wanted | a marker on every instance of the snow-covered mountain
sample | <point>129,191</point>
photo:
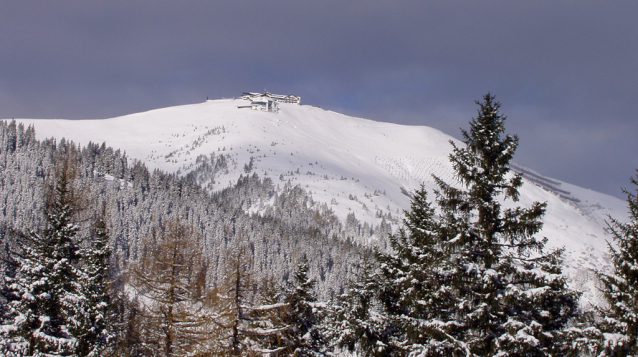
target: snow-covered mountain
<point>353,165</point>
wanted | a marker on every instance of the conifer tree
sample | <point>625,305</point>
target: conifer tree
<point>302,314</point>
<point>470,277</point>
<point>355,320</point>
<point>414,287</point>
<point>95,255</point>
<point>513,297</point>
<point>46,297</point>
<point>621,287</point>
<point>12,340</point>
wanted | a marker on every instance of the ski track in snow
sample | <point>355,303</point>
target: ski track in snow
<point>353,165</point>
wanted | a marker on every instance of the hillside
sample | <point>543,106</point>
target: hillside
<point>354,166</point>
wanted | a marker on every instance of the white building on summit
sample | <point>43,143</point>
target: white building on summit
<point>267,101</point>
<point>280,98</point>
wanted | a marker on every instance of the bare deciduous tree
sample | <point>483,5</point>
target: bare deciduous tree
<point>170,280</point>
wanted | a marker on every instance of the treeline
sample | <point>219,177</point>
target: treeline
<point>117,261</point>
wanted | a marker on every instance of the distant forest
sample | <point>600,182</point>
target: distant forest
<point>138,201</point>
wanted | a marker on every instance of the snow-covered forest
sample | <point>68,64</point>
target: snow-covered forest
<point>138,206</point>
<point>104,257</point>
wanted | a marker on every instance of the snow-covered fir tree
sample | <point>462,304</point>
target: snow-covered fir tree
<point>266,323</point>
<point>95,259</point>
<point>513,298</point>
<point>46,299</point>
<point>468,277</point>
<point>303,315</point>
<point>621,286</point>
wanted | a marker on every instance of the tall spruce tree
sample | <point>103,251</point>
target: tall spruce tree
<point>302,315</point>
<point>469,277</point>
<point>46,297</point>
<point>95,256</point>
<point>621,287</point>
<point>513,297</point>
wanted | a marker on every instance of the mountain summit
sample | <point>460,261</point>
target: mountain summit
<point>356,167</point>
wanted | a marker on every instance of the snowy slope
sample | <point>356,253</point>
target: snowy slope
<point>351,164</point>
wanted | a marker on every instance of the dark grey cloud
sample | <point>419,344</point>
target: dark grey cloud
<point>564,71</point>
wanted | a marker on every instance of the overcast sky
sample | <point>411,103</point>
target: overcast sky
<point>565,71</point>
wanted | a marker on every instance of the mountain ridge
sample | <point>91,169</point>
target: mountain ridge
<point>354,166</point>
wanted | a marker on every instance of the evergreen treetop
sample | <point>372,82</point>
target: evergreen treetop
<point>514,297</point>
<point>468,277</point>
